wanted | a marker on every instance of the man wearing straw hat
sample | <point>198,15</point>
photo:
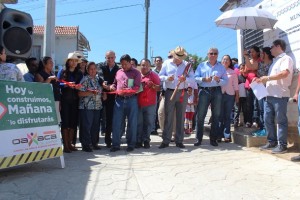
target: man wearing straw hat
<point>177,74</point>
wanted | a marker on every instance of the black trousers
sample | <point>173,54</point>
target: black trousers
<point>109,110</point>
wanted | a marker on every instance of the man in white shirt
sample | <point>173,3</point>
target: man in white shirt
<point>175,73</point>
<point>277,83</point>
<point>296,98</point>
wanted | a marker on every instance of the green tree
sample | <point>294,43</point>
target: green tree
<point>197,60</point>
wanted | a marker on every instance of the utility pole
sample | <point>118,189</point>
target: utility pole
<point>49,30</point>
<point>147,6</point>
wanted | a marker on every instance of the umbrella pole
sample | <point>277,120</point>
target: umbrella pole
<point>242,45</point>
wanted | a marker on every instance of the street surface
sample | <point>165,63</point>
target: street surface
<point>225,172</point>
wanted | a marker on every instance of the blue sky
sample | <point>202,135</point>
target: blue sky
<point>172,23</point>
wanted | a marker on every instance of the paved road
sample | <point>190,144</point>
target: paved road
<point>226,172</point>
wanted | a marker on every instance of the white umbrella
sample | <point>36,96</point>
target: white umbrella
<point>246,18</point>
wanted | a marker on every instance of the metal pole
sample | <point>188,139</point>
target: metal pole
<point>147,5</point>
<point>49,30</point>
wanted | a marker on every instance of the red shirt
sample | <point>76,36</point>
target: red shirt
<point>148,96</point>
<point>251,74</point>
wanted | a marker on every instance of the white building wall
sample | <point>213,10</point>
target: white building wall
<point>287,28</point>
<point>63,46</point>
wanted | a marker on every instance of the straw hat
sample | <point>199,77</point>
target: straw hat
<point>76,55</point>
<point>179,53</point>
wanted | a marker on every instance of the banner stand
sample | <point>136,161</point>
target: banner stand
<point>29,128</point>
<point>62,161</point>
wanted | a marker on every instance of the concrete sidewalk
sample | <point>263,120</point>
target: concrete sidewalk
<point>228,171</point>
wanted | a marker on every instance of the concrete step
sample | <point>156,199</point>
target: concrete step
<point>242,136</point>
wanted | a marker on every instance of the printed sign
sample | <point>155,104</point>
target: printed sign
<point>28,122</point>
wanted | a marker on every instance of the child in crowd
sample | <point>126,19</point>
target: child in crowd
<point>189,111</point>
<point>238,121</point>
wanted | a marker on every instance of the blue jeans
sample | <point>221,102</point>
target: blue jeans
<point>146,120</point>
<point>276,108</point>
<point>261,113</point>
<point>125,107</point>
<point>214,98</point>
<point>227,105</point>
<point>89,127</point>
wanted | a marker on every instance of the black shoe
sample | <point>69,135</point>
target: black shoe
<point>96,147</point>
<point>114,149</point>
<point>108,145</point>
<point>129,149</point>
<point>227,140</point>
<point>235,124</point>
<point>197,143</point>
<point>146,145</point>
<point>154,133</point>
<point>213,143</point>
<point>163,145</point>
<point>219,140</point>
<point>180,145</point>
<point>87,149</point>
<point>296,158</point>
<point>268,146</point>
<point>279,149</point>
<point>138,145</point>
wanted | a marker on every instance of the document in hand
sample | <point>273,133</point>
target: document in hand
<point>259,90</point>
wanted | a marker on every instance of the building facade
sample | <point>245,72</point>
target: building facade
<point>67,39</point>
<point>287,28</point>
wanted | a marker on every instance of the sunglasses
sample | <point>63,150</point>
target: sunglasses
<point>213,54</point>
<point>170,57</point>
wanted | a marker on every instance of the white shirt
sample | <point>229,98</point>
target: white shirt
<point>190,108</point>
<point>280,88</point>
<point>169,68</point>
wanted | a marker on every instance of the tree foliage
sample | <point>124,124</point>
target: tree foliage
<point>196,59</point>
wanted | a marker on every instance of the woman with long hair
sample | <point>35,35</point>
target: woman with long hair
<point>267,60</point>
<point>230,94</point>
<point>252,62</point>
<point>71,76</point>
<point>46,74</point>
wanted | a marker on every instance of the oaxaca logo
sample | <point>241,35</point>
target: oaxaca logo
<point>34,138</point>
<point>3,110</point>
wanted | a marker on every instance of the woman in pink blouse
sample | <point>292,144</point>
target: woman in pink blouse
<point>230,94</point>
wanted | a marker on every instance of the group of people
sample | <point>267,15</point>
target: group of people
<point>137,102</point>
